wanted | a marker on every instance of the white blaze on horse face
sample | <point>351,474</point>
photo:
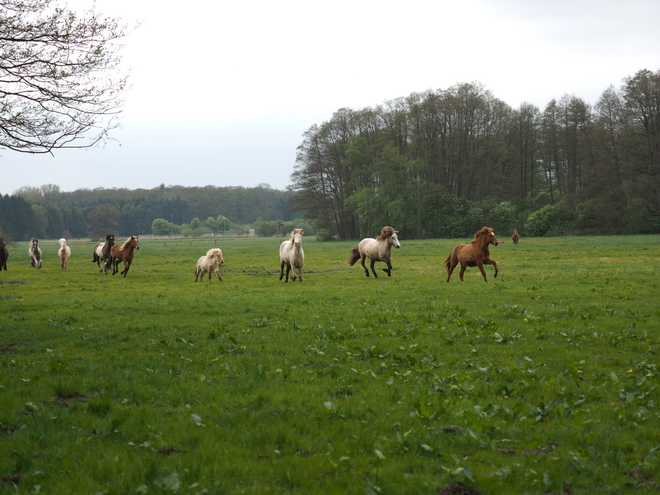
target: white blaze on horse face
<point>395,241</point>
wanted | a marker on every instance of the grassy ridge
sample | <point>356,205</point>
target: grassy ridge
<point>543,380</point>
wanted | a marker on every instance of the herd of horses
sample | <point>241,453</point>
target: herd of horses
<point>109,255</point>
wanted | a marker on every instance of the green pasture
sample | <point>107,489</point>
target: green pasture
<point>542,381</point>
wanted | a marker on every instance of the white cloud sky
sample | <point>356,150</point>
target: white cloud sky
<point>223,91</point>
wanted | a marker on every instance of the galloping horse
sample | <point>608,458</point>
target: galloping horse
<point>515,237</point>
<point>64,253</point>
<point>35,254</point>
<point>123,253</point>
<point>102,252</point>
<point>209,264</point>
<point>4,254</point>
<point>292,255</point>
<point>474,254</point>
<point>378,249</point>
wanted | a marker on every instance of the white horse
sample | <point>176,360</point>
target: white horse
<point>378,249</point>
<point>64,253</point>
<point>209,264</point>
<point>35,254</point>
<point>292,255</point>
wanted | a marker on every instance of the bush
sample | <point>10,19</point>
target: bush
<point>324,235</point>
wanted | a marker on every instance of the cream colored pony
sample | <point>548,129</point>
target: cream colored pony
<point>378,249</point>
<point>292,256</point>
<point>64,253</point>
<point>209,264</point>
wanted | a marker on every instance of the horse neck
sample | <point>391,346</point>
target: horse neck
<point>482,245</point>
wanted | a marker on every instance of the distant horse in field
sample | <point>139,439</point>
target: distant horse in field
<point>515,237</point>
<point>474,254</point>
<point>378,249</point>
<point>209,264</point>
<point>292,256</point>
<point>4,254</point>
<point>35,253</point>
<point>123,253</point>
<point>64,253</point>
<point>102,252</point>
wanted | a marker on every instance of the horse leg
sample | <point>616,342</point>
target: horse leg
<point>491,262</point>
<point>460,274</point>
<point>197,270</point>
<point>364,266</point>
<point>483,272</point>
<point>288,269</point>
<point>281,269</point>
<point>450,269</point>
<point>217,272</point>
<point>389,268</point>
<point>127,265</point>
<point>373,262</point>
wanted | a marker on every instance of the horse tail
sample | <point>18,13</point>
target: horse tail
<point>447,262</point>
<point>355,255</point>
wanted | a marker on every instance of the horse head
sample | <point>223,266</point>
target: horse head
<point>296,237</point>
<point>62,241</point>
<point>389,234</point>
<point>136,244</point>
<point>489,235</point>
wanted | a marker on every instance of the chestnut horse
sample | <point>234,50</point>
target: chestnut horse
<point>123,253</point>
<point>474,254</point>
<point>378,249</point>
<point>4,254</point>
<point>515,237</point>
<point>35,253</point>
<point>292,256</point>
<point>102,252</point>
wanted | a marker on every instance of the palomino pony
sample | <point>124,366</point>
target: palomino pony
<point>64,253</point>
<point>35,254</point>
<point>209,264</point>
<point>378,249</point>
<point>474,254</point>
<point>123,253</point>
<point>102,252</point>
<point>292,255</point>
<point>4,254</point>
<point>515,237</point>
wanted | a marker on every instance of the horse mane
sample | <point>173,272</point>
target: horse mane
<point>293,233</point>
<point>125,245</point>
<point>386,232</point>
<point>481,234</point>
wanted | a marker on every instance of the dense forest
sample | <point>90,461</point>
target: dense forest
<point>444,163</point>
<point>46,212</point>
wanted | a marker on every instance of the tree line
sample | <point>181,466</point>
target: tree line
<point>46,212</point>
<point>443,163</point>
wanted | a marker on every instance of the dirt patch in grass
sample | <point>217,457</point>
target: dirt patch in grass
<point>14,479</point>
<point>8,348</point>
<point>5,431</point>
<point>457,488</point>
<point>64,400</point>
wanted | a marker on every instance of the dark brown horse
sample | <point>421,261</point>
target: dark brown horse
<point>515,237</point>
<point>102,252</point>
<point>123,253</point>
<point>4,254</point>
<point>474,254</point>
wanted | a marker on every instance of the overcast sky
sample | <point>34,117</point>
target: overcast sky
<point>223,91</point>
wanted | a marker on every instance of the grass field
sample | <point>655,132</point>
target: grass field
<point>543,380</point>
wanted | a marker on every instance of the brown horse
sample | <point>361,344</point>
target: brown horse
<point>515,237</point>
<point>123,253</point>
<point>35,253</point>
<point>378,249</point>
<point>4,254</point>
<point>474,254</point>
<point>102,252</point>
